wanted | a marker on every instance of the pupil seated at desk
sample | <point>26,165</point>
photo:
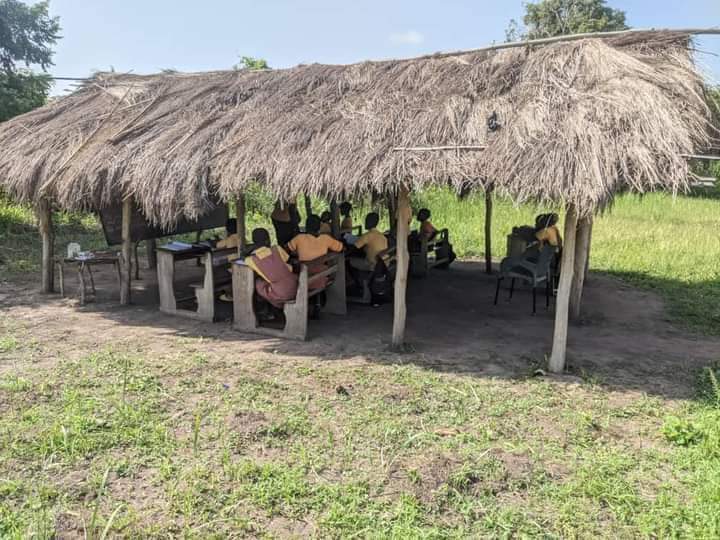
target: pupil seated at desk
<point>311,245</point>
<point>231,239</point>
<point>371,244</point>
<point>546,230</point>
<point>325,223</point>
<point>426,227</point>
<point>275,282</point>
<point>286,221</point>
<point>346,226</point>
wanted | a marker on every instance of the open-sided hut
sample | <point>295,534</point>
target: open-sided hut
<point>569,123</point>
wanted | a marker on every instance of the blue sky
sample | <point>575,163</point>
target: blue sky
<point>150,35</point>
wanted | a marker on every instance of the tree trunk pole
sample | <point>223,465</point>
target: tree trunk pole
<point>401,274</point>
<point>582,250</point>
<point>335,223</point>
<point>126,253</point>
<point>589,243</point>
<point>45,225</point>
<point>488,229</point>
<point>392,217</point>
<point>240,219</point>
<point>151,252</point>
<point>308,206</point>
<point>557,357</point>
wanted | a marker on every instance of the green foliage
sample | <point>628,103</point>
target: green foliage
<point>27,34</point>
<point>549,18</point>
<point>681,431</point>
<point>251,63</point>
<point>22,91</point>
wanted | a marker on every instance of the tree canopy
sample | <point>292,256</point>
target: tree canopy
<point>549,18</point>
<point>27,34</point>
<point>252,63</point>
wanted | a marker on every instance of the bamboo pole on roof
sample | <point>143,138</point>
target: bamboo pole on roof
<point>401,273</point>
<point>45,226</point>
<point>126,253</point>
<point>562,303</point>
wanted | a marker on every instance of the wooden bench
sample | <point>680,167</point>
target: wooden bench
<point>216,275</point>
<point>422,261</point>
<point>296,311</point>
<point>388,259</point>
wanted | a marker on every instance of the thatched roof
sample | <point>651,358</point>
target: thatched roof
<point>578,121</point>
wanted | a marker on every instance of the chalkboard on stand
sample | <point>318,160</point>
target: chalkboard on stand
<point>111,219</point>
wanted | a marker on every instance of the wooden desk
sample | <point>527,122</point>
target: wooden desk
<point>204,293</point>
<point>86,263</point>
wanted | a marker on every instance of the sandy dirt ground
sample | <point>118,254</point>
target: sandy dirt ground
<point>624,339</point>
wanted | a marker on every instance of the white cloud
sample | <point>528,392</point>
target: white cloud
<point>411,37</point>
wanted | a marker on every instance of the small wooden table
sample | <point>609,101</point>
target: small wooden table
<point>86,263</point>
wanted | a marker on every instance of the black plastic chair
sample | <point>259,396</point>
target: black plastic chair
<point>530,267</point>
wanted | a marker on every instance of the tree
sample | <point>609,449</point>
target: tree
<point>549,18</point>
<point>27,34</point>
<point>252,64</point>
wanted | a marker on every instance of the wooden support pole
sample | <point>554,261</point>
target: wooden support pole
<point>401,275</point>
<point>582,251</point>
<point>240,218</point>
<point>308,206</point>
<point>151,253</point>
<point>45,226</point>
<point>335,223</point>
<point>557,357</point>
<point>488,229</point>
<point>392,217</point>
<point>126,254</point>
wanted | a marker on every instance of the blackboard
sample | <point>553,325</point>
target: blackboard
<point>140,229</point>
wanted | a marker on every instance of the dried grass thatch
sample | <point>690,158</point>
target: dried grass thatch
<point>579,121</point>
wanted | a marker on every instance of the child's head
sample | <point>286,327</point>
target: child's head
<point>326,217</point>
<point>312,225</point>
<point>423,214</point>
<point>345,208</point>
<point>372,220</point>
<point>231,226</point>
<point>261,237</point>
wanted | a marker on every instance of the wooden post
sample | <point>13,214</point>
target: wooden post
<point>582,250</point>
<point>126,254</point>
<point>308,206</point>
<point>587,255</point>
<point>401,275</point>
<point>240,218</point>
<point>150,249</point>
<point>488,229</point>
<point>557,357</point>
<point>45,226</point>
<point>392,218</point>
<point>335,224</point>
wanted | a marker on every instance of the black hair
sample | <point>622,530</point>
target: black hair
<point>345,208</point>
<point>261,237</point>
<point>312,226</point>
<point>423,214</point>
<point>543,221</point>
<point>326,217</point>
<point>372,220</point>
<point>231,226</point>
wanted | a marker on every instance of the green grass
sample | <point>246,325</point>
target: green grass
<point>146,445</point>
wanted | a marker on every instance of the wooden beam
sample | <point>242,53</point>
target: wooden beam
<point>392,217</point>
<point>45,226</point>
<point>488,229</point>
<point>698,156</point>
<point>126,253</point>
<point>335,223</point>
<point>240,218</point>
<point>401,273</point>
<point>151,253</point>
<point>562,303</point>
<point>582,250</point>
<point>308,206</point>
<point>437,148</point>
